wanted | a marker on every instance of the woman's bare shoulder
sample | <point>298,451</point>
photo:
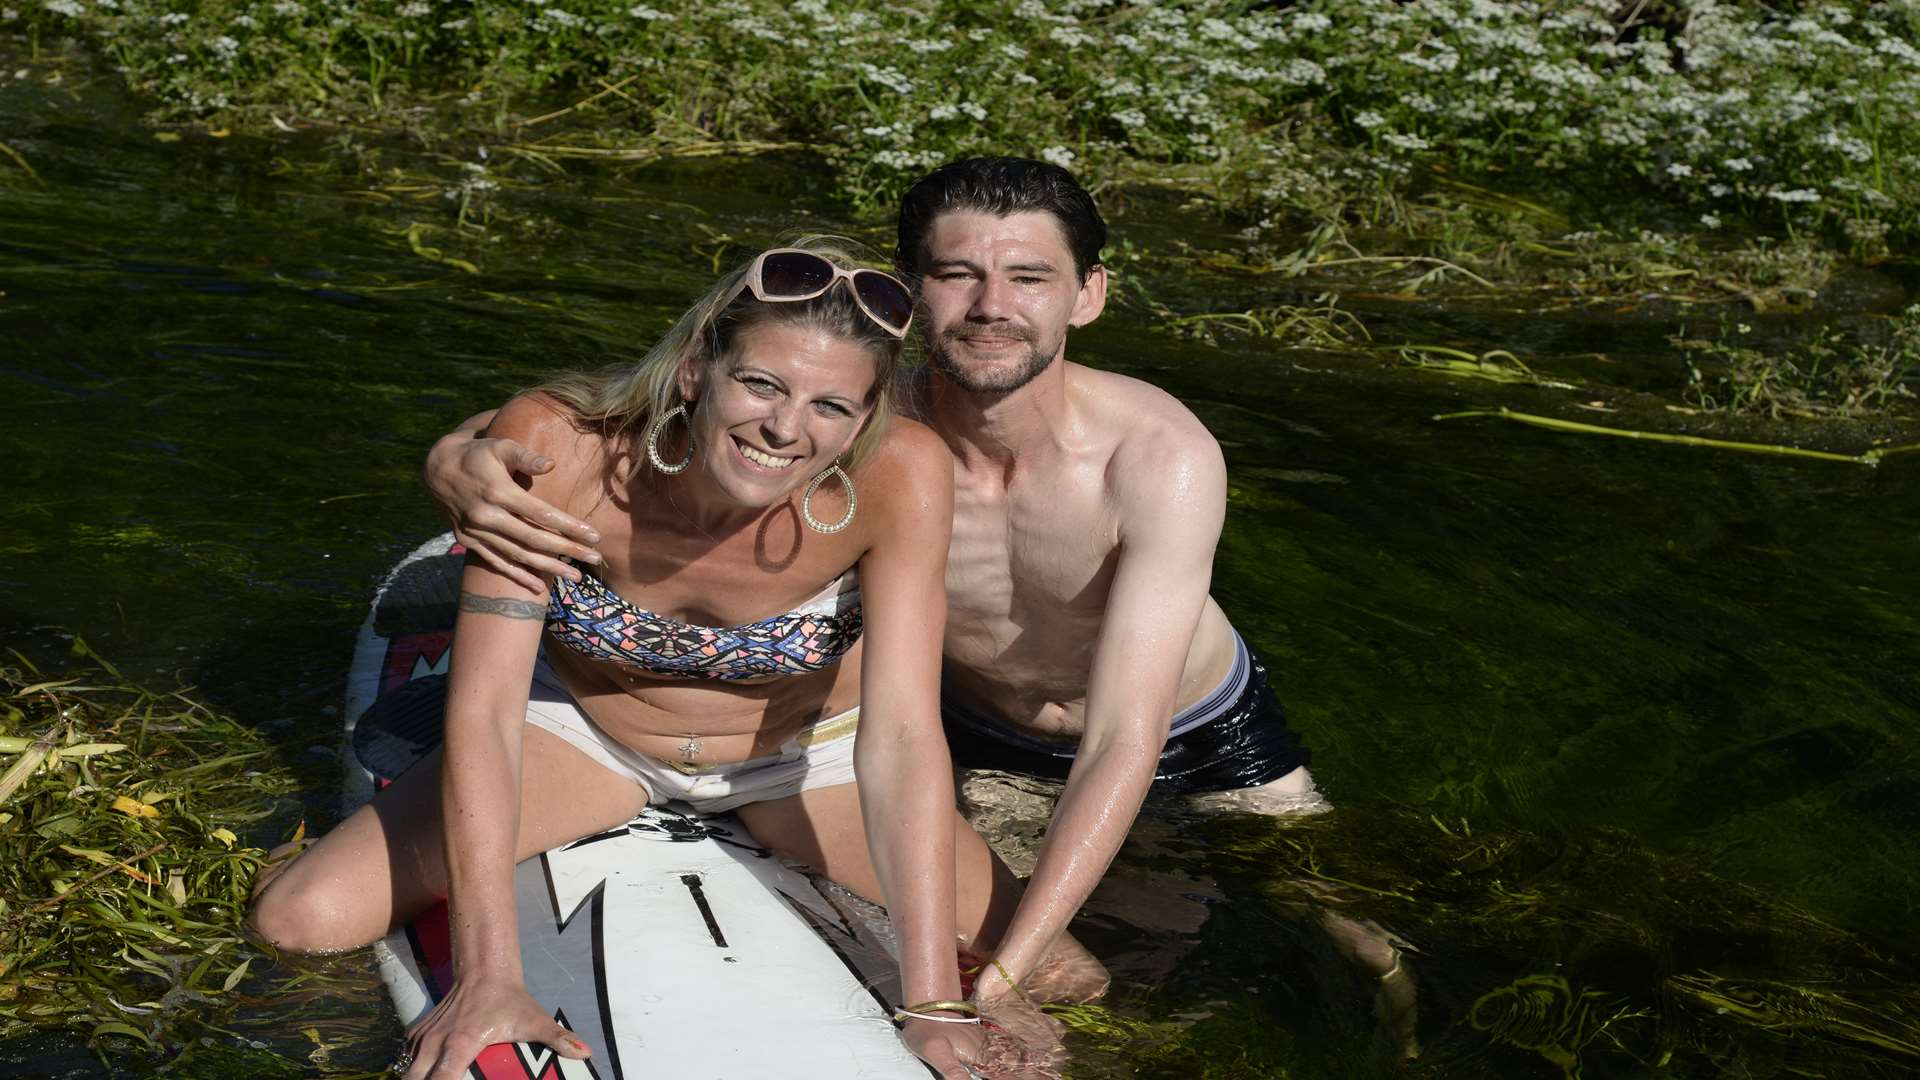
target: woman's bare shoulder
<point>545,425</point>
<point>533,414</point>
<point>910,449</point>
<point>909,478</point>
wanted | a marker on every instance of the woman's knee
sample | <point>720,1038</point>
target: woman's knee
<point>305,916</point>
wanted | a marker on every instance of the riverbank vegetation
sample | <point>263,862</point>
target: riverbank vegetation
<point>123,869</point>
<point>1478,132</point>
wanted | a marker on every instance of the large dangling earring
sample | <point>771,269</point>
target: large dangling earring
<point>653,440</point>
<point>806,501</point>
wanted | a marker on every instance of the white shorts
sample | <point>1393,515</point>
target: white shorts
<point>819,755</point>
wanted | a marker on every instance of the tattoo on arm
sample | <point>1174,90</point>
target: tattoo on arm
<point>500,605</point>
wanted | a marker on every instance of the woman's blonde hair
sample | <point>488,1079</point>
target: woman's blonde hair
<point>621,399</point>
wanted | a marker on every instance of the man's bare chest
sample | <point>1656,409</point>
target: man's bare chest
<point>1019,556</point>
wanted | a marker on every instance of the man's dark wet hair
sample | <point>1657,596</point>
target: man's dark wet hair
<point>1001,186</point>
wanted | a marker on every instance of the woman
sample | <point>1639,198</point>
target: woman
<point>757,511</point>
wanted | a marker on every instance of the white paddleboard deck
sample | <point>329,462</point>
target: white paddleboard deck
<point>673,946</point>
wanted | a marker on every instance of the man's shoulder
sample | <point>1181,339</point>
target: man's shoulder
<point>1154,438</point>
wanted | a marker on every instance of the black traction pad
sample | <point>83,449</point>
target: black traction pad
<point>400,728</point>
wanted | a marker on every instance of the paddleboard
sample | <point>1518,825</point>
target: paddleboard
<point>674,946</point>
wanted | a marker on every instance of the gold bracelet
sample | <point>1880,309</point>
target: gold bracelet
<point>968,1013</point>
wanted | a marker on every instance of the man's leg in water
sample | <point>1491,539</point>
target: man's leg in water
<point>1366,943</point>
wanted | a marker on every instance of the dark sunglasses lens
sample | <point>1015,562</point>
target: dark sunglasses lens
<point>884,297</point>
<point>794,273</point>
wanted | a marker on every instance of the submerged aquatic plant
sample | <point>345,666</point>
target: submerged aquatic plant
<point>123,876</point>
<point>1587,948</point>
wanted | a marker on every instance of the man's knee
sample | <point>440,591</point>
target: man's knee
<point>1292,795</point>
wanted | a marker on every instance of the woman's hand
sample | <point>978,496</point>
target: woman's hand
<point>474,1016</point>
<point>520,536</point>
<point>948,1048</point>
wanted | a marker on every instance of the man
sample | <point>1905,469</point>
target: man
<point>1081,642</point>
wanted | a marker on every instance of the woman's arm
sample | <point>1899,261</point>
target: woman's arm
<point>496,636</point>
<point>905,775</point>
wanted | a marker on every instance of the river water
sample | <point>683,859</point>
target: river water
<point>1622,735</point>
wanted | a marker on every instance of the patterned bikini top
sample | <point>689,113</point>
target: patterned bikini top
<point>596,622</point>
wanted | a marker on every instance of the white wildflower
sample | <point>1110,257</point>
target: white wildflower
<point>973,109</point>
<point>1738,164</point>
<point>1131,118</point>
<point>415,10</point>
<point>1710,221</point>
<point>1679,169</point>
<point>225,48</point>
<point>1013,52</point>
<point>1407,142</point>
<point>647,14</point>
<point>72,9</point>
<point>942,112</point>
<point>1058,155</point>
<point>1369,119</point>
<point>1797,195</point>
<point>173,18</point>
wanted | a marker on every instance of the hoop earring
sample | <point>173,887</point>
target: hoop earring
<point>806,501</point>
<point>653,441</point>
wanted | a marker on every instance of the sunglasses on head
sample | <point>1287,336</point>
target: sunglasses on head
<point>785,275</point>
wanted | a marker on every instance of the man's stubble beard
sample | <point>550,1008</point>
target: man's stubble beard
<point>1036,361</point>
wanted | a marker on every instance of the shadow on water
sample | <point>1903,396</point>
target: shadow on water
<point>1622,735</point>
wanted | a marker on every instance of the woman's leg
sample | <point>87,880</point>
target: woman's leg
<point>384,864</point>
<point>823,828</point>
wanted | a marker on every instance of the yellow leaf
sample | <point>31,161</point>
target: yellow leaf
<point>152,797</point>
<point>103,859</point>
<point>133,807</point>
<point>225,836</point>
<point>177,889</point>
<point>166,136</point>
<point>89,854</point>
<point>234,976</point>
<point>219,133</point>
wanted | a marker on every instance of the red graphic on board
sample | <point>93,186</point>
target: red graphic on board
<point>409,654</point>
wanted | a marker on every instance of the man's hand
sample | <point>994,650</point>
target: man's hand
<point>516,534</point>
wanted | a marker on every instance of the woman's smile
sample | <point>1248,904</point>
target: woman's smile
<point>762,458</point>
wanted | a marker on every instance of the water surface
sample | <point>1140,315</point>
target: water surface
<point>1614,727</point>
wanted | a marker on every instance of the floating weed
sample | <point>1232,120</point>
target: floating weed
<point>1495,365</point>
<point>1322,325</point>
<point>20,161</point>
<point>1827,376</point>
<point>1872,456</point>
<point>122,876</point>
